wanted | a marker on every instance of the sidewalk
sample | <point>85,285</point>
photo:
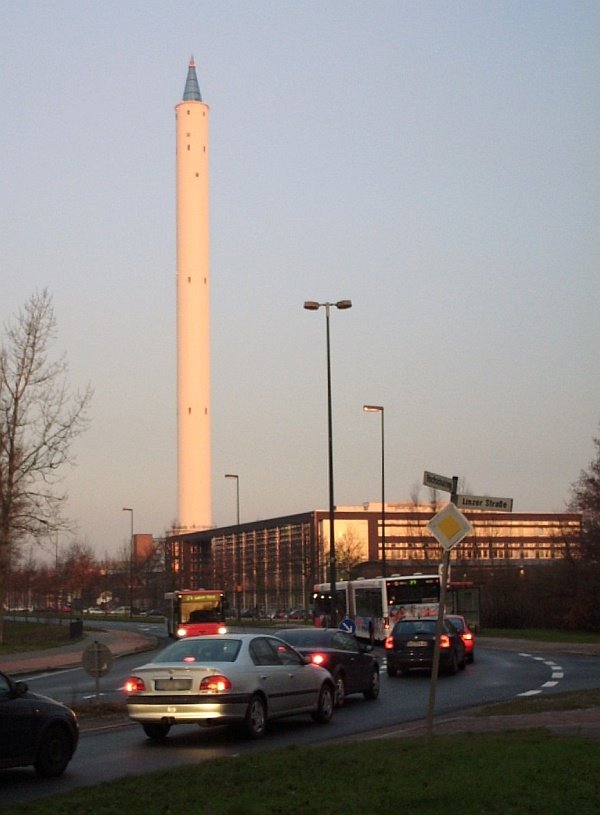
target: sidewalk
<point>119,641</point>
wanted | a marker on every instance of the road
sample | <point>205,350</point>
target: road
<point>104,755</point>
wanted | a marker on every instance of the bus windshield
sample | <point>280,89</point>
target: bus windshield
<point>195,613</point>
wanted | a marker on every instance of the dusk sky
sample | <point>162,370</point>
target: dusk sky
<point>434,162</point>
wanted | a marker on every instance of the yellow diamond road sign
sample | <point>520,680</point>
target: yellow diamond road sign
<point>449,527</point>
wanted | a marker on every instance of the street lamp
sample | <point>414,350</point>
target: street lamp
<point>379,409</point>
<point>130,510</point>
<point>311,305</point>
<point>239,544</point>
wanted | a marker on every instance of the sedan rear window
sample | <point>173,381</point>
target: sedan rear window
<point>201,651</point>
<point>415,627</point>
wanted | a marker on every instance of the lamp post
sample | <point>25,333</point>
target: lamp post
<point>239,545</point>
<point>379,409</point>
<point>311,305</point>
<point>130,510</point>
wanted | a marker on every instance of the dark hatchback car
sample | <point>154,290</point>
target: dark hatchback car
<point>411,646</point>
<point>35,730</point>
<point>351,664</point>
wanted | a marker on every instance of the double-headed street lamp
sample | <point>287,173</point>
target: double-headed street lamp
<point>379,409</point>
<point>311,305</point>
<point>238,586</point>
<point>130,510</point>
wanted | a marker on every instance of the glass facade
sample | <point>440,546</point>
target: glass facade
<point>271,565</point>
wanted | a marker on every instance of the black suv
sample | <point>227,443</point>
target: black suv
<point>35,730</point>
<point>411,645</point>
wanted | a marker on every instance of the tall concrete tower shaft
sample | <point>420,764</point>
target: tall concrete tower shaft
<point>193,310</point>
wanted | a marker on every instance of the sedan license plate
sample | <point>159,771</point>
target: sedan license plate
<point>172,684</point>
<point>418,644</point>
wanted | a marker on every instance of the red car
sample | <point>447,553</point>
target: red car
<point>467,636</point>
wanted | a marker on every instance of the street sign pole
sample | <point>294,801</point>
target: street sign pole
<point>436,646</point>
<point>449,527</point>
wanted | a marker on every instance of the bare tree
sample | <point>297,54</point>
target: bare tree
<point>348,550</point>
<point>585,498</point>
<point>39,418</point>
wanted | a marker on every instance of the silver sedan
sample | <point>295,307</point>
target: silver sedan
<point>234,678</point>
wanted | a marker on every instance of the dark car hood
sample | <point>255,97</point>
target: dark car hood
<point>47,702</point>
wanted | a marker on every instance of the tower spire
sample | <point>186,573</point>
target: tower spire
<point>191,92</point>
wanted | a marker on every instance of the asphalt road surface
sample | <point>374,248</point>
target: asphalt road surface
<point>111,753</point>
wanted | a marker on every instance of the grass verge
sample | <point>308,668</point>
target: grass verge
<point>571,700</point>
<point>21,636</point>
<point>509,774</point>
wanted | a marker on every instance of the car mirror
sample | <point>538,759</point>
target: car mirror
<point>21,689</point>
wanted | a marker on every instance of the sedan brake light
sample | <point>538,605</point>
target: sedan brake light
<point>134,685</point>
<point>216,683</point>
<point>467,636</point>
<point>318,659</point>
<point>389,642</point>
<point>444,641</point>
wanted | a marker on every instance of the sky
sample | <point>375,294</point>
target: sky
<point>434,162</point>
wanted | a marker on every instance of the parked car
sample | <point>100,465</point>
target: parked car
<point>411,645</point>
<point>35,730</point>
<point>225,679</point>
<point>468,637</point>
<point>351,663</point>
<point>298,614</point>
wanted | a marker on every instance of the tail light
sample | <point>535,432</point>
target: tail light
<point>318,659</point>
<point>467,637</point>
<point>222,629</point>
<point>134,685</point>
<point>215,684</point>
<point>389,642</point>
<point>444,641</point>
<point>181,632</point>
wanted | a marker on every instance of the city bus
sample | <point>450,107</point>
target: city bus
<point>376,603</point>
<point>379,602</point>
<point>194,612</point>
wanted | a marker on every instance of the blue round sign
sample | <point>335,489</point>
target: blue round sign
<point>348,625</point>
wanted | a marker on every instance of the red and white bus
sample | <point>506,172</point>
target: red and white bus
<point>195,612</point>
<point>376,603</point>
